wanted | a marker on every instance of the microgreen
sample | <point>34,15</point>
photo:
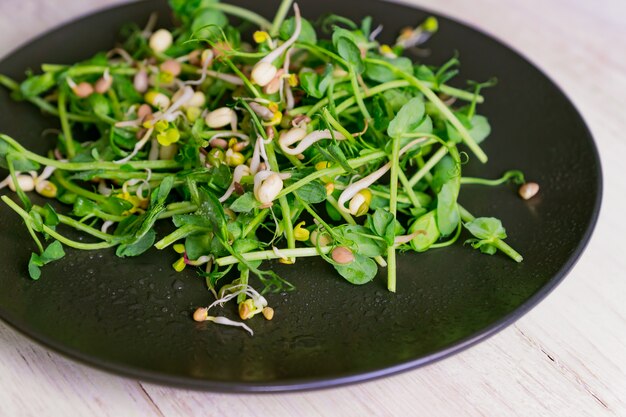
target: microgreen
<point>309,139</point>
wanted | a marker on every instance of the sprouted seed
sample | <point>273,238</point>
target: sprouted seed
<point>291,143</point>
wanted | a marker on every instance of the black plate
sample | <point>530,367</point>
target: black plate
<point>132,316</point>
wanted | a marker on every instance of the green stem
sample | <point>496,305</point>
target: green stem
<point>281,13</point>
<point>332,171</point>
<point>243,280</point>
<point>517,176</point>
<point>65,125</point>
<point>270,254</point>
<point>68,242</point>
<point>178,234</point>
<point>241,75</point>
<point>441,106</point>
<point>88,166</point>
<point>501,245</point>
<point>356,89</point>
<point>284,204</point>
<point>336,125</point>
<point>393,206</point>
<point>68,221</point>
<point>256,221</point>
<point>240,12</point>
<point>73,188</point>
<point>408,189</point>
<point>432,161</point>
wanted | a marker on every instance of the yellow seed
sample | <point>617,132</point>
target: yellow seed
<point>300,233</point>
<point>193,113</point>
<point>46,189</point>
<point>276,119</point>
<point>268,313</point>
<point>234,159</point>
<point>246,309</point>
<point>179,265</point>
<point>360,203</point>
<point>287,261</point>
<point>179,248</point>
<point>232,142</point>
<point>200,314</point>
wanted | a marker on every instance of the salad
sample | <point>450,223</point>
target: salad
<point>254,140</point>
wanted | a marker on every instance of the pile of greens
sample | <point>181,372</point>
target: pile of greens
<point>309,139</point>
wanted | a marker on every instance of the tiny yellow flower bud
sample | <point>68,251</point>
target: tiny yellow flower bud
<point>300,233</point>
<point>179,265</point>
<point>292,79</point>
<point>385,49</point>
<point>232,142</point>
<point>46,189</point>
<point>169,136</point>
<point>161,126</point>
<point>431,24</point>
<point>261,36</point>
<point>179,248</point>
<point>161,40</point>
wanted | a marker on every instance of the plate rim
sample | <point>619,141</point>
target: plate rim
<point>307,384</point>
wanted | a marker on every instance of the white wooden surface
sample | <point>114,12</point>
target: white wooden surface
<point>565,358</point>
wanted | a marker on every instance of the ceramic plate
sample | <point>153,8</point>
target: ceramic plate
<point>132,316</point>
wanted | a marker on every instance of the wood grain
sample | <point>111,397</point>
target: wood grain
<point>565,358</point>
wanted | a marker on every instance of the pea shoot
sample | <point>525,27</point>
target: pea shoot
<point>286,145</point>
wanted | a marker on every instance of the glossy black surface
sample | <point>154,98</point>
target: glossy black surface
<point>132,316</point>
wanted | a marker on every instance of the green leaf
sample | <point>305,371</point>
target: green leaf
<point>312,192</point>
<point>428,225</point>
<point>34,265</point>
<point>351,53</point>
<point>383,74</point>
<point>408,118</point>
<point>447,210</point>
<point>137,247</point>
<point>83,207</point>
<point>361,271</point>
<point>37,84</point>
<point>206,21</point>
<point>445,170</point>
<point>383,224</point>
<point>53,252</point>
<point>50,216</point>
<point>478,128</point>
<point>198,245</point>
<point>360,240</point>
<point>245,203</point>
<point>99,104</point>
<point>245,245</point>
<point>116,206</point>
<point>211,208</point>
<point>486,228</point>
<point>307,32</point>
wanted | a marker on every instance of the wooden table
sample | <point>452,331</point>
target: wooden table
<point>565,358</point>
